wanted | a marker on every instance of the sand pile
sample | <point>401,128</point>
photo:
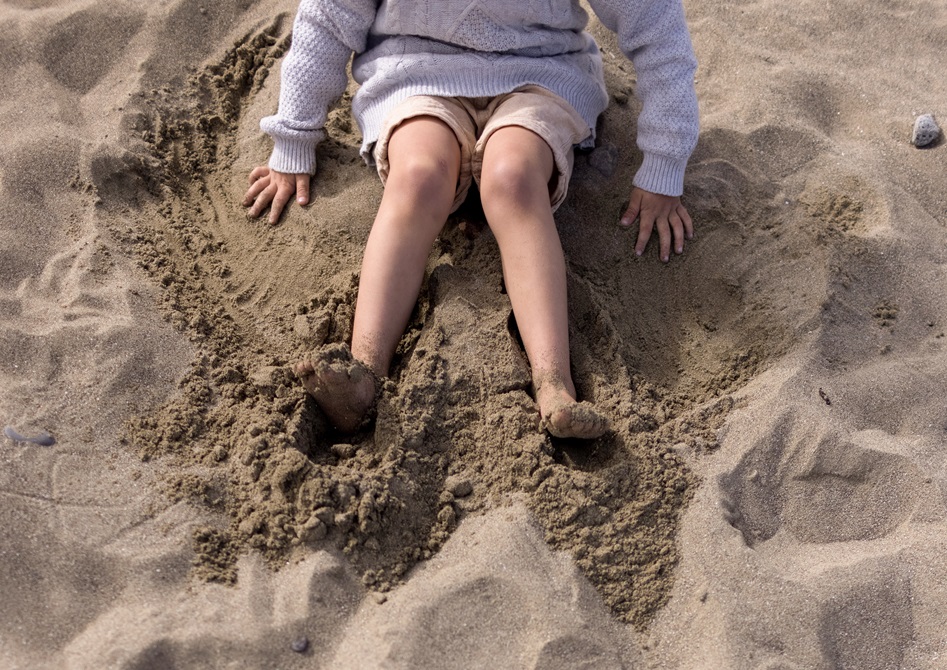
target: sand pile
<point>773,493</point>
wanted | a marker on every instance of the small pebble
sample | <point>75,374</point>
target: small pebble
<point>604,159</point>
<point>926,130</point>
<point>300,644</point>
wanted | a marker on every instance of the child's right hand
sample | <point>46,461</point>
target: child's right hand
<point>269,188</point>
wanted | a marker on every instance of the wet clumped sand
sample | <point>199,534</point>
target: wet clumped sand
<point>771,488</point>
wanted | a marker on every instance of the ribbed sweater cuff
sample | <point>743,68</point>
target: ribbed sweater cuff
<point>660,174</point>
<point>293,156</point>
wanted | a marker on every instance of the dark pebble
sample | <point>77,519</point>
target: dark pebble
<point>300,644</point>
<point>605,159</point>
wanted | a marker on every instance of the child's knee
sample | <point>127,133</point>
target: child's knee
<point>424,176</point>
<point>513,179</point>
<point>517,167</point>
<point>423,158</point>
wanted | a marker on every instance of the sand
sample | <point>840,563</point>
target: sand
<point>773,493</point>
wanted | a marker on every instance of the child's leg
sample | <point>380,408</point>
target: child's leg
<point>425,162</point>
<point>514,188</point>
<point>424,158</point>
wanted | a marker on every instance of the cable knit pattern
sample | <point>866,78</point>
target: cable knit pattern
<point>482,48</point>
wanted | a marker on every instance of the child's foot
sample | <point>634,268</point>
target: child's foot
<point>563,416</point>
<point>344,388</point>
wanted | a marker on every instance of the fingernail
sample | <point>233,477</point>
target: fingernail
<point>301,200</point>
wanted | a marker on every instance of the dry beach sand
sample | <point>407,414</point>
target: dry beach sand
<point>773,494</point>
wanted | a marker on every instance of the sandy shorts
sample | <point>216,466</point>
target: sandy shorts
<point>474,120</point>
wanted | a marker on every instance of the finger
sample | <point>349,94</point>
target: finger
<point>255,189</point>
<point>664,237</point>
<point>262,201</point>
<point>628,217</point>
<point>677,232</point>
<point>283,194</point>
<point>645,228</point>
<point>258,172</point>
<point>634,209</point>
<point>302,189</point>
<point>688,223</point>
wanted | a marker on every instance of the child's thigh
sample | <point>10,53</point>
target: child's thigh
<point>428,129</point>
<point>548,116</point>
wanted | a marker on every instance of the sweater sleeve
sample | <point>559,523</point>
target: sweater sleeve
<point>313,77</point>
<point>653,35</point>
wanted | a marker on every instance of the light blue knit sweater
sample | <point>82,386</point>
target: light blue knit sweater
<point>483,48</point>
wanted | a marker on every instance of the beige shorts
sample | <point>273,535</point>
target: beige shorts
<point>474,120</point>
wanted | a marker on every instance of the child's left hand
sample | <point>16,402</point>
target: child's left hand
<point>664,212</point>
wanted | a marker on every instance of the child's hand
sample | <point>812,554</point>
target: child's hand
<point>664,212</point>
<point>274,189</point>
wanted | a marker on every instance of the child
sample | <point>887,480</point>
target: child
<point>494,91</point>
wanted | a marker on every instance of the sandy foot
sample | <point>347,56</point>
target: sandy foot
<point>344,388</point>
<point>577,420</point>
<point>563,416</point>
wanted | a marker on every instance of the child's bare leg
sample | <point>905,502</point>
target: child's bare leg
<point>517,167</point>
<point>424,159</point>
